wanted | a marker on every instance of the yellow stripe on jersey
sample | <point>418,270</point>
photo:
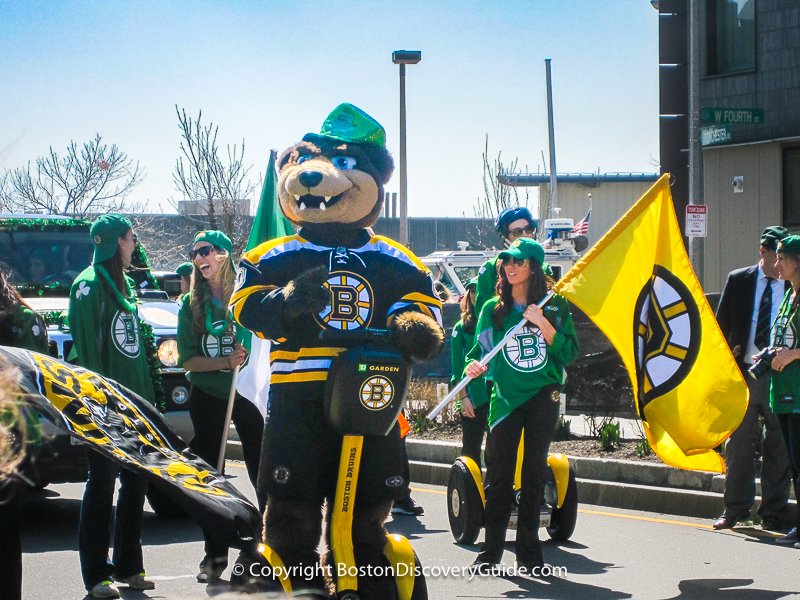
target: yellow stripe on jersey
<point>397,246</point>
<point>298,377</point>
<point>305,353</point>
<point>254,255</point>
<point>238,299</point>
<point>418,297</point>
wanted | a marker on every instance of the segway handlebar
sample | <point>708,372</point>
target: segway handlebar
<point>355,337</point>
<point>485,361</point>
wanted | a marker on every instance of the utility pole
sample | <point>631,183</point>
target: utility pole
<point>552,136</point>
<point>696,244</point>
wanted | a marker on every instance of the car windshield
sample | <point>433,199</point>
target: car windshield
<point>48,260</point>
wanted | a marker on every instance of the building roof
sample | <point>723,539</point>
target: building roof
<point>588,179</point>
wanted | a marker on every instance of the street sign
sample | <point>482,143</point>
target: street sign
<point>738,116</point>
<point>696,220</point>
<point>715,134</point>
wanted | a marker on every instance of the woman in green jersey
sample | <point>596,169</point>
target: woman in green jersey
<point>20,326</point>
<point>527,374</point>
<point>784,393</point>
<point>474,404</point>
<point>209,350</point>
<point>107,339</point>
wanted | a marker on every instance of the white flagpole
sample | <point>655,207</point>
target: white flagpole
<point>228,416</point>
<point>485,360</point>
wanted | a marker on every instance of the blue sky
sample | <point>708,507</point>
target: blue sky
<point>269,72</point>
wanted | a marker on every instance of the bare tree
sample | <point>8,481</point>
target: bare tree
<point>497,197</point>
<point>93,178</point>
<point>220,187</point>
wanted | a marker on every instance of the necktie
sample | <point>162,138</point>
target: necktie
<point>764,317</point>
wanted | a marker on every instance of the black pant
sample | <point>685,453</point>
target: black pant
<point>10,548</point>
<point>790,426</point>
<point>208,419</point>
<point>538,418</point>
<point>472,431</point>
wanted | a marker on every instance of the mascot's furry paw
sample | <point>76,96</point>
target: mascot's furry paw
<point>417,335</point>
<point>305,295</point>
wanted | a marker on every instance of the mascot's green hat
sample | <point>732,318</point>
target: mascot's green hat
<point>348,123</point>
<point>105,232</point>
<point>772,235</point>
<point>215,238</point>
<point>184,269</point>
<point>789,245</point>
<point>524,248</point>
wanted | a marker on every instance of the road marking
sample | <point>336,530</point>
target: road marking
<point>602,513</point>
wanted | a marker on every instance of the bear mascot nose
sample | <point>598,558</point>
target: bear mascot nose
<point>310,178</point>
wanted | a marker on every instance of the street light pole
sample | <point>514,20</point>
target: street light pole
<point>403,58</point>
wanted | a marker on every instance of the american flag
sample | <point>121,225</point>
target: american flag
<point>582,226</point>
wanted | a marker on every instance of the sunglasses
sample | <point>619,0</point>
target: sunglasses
<point>519,231</point>
<point>201,251</point>
<point>517,262</point>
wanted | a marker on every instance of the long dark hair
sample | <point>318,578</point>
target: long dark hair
<point>10,301</point>
<point>538,284</point>
<point>115,270</point>
<point>468,317</point>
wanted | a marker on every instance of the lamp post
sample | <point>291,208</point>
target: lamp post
<point>403,58</point>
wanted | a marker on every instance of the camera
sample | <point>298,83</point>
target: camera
<point>763,363</point>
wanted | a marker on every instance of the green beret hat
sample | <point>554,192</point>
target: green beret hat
<point>184,269</point>
<point>348,123</point>
<point>789,245</point>
<point>524,248</point>
<point>215,238</point>
<point>772,235</point>
<point>105,232</point>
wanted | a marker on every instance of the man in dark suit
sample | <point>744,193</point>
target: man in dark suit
<point>747,308</point>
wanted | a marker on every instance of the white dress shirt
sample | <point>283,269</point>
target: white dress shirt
<point>778,291</point>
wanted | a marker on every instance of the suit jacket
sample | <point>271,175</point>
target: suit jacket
<point>735,308</point>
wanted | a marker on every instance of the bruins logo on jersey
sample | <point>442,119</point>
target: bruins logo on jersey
<point>527,351</point>
<point>667,335</point>
<point>376,393</point>
<point>783,332</point>
<point>216,346</point>
<point>125,334</point>
<point>352,301</point>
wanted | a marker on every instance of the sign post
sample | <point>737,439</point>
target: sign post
<point>696,220</point>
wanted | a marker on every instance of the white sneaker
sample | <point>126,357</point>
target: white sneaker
<point>138,582</point>
<point>104,589</point>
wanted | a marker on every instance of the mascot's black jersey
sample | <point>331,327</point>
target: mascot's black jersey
<point>369,284</point>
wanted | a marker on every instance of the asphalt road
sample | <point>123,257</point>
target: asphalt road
<point>613,554</point>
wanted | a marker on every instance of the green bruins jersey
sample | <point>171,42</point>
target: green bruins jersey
<point>462,342</point>
<point>191,344</point>
<point>784,393</point>
<point>526,364</point>
<point>106,338</point>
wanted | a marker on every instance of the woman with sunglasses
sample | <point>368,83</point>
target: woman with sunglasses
<point>209,349</point>
<point>528,375</point>
<point>107,339</point>
<point>512,224</point>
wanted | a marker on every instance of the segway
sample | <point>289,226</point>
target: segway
<point>466,499</point>
<point>364,395</point>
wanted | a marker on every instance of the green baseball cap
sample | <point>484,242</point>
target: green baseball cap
<point>348,123</point>
<point>772,235</point>
<point>105,232</point>
<point>789,245</point>
<point>523,249</point>
<point>215,238</point>
<point>472,283</point>
<point>184,269</point>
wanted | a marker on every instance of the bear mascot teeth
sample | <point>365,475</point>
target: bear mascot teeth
<point>334,274</point>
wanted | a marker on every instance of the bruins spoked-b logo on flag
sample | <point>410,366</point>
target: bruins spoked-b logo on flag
<point>638,286</point>
<point>667,335</point>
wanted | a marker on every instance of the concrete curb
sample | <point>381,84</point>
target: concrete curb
<point>627,484</point>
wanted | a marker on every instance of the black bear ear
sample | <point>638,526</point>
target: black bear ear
<point>384,165</point>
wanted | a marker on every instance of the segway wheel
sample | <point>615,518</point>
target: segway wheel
<point>464,505</point>
<point>562,520</point>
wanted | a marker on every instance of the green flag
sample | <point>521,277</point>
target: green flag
<point>269,222</point>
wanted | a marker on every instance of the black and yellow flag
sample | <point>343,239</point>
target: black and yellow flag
<point>126,428</point>
<point>638,286</point>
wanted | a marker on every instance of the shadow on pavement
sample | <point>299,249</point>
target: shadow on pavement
<point>720,588</point>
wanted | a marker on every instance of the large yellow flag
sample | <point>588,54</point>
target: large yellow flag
<point>638,286</point>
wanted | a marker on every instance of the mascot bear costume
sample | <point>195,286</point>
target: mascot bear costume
<point>333,274</point>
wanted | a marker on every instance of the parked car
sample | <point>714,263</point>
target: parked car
<point>43,255</point>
